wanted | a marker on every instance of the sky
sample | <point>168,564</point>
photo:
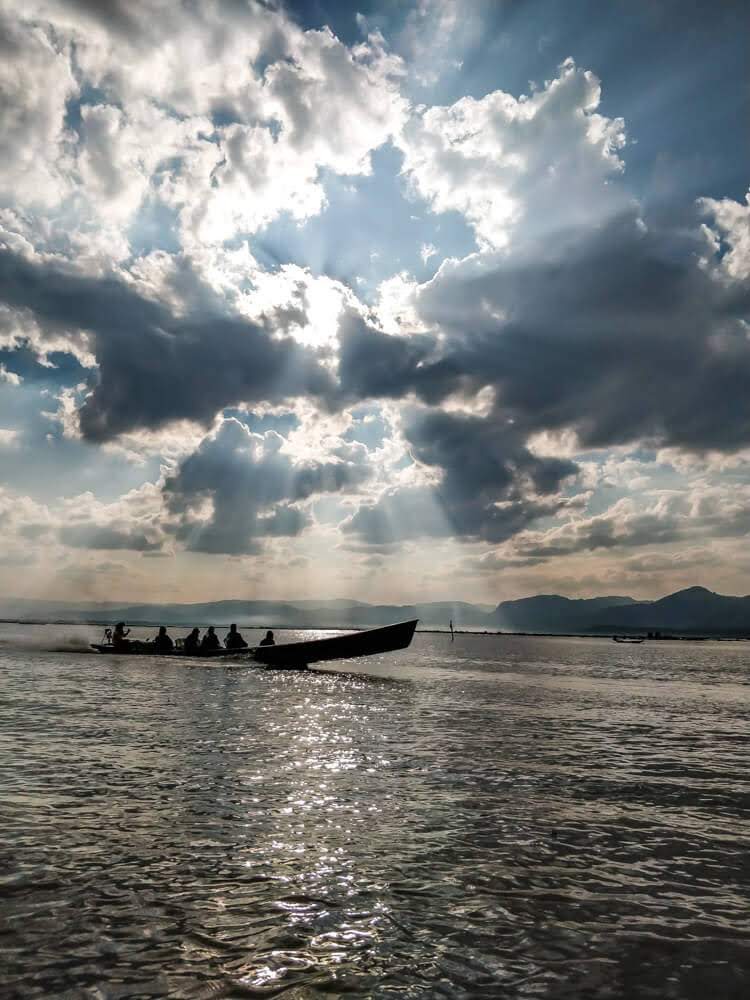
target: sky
<point>397,301</point>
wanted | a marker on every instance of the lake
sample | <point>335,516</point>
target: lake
<point>499,816</point>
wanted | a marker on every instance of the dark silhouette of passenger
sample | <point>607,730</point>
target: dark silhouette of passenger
<point>210,640</point>
<point>269,639</point>
<point>118,638</point>
<point>163,643</point>
<point>192,643</point>
<point>233,639</point>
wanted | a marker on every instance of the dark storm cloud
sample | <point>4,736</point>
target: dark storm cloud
<point>92,536</point>
<point>154,366</point>
<point>480,456</point>
<point>491,485</point>
<point>616,332</point>
<point>252,488</point>
<point>371,363</point>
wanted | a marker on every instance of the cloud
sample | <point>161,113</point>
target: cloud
<point>612,332</point>
<point>9,437</point>
<point>491,563</point>
<point>223,114</point>
<point>239,488</point>
<point>155,366</point>
<point>115,15</point>
<point>436,34</point>
<point>330,107</point>
<point>18,513</point>
<point>158,156</point>
<point>575,334</point>
<point>92,536</point>
<point>504,161</point>
<point>398,515</point>
<point>425,512</point>
<point>673,516</point>
<point>623,526</point>
<point>732,228</point>
<point>10,378</point>
<point>120,151</point>
<point>657,562</point>
<point>36,81</point>
<point>134,521</point>
<point>616,332</point>
<point>374,364</point>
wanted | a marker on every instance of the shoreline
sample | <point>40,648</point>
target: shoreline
<point>353,628</point>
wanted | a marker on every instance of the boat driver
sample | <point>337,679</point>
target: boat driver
<point>118,638</point>
<point>269,639</point>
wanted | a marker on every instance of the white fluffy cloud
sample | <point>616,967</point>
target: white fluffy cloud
<point>36,81</point>
<point>547,160</point>
<point>732,229</point>
<point>226,114</point>
<point>119,152</point>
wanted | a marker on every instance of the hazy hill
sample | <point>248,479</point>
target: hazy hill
<point>694,610</point>
<point>552,613</point>
<point>321,614</point>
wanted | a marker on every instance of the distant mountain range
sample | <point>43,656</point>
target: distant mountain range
<point>694,611</point>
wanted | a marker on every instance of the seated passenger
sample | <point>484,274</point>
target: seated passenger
<point>233,639</point>
<point>118,638</point>
<point>269,639</point>
<point>192,643</point>
<point>163,643</point>
<point>210,640</point>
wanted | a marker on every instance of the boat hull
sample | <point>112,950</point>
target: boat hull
<point>338,647</point>
<point>144,649</point>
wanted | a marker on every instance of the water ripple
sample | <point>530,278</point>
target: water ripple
<point>497,818</point>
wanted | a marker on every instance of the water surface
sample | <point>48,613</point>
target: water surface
<point>497,817</point>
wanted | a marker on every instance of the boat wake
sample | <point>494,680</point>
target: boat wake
<point>40,644</point>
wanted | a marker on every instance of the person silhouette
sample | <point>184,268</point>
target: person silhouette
<point>163,643</point>
<point>118,638</point>
<point>269,639</point>
<point>210,640</point>
<point>233,639</point>
<point>191,643</point>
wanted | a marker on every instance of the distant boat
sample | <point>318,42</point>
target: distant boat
<point>628,638</point>
<point>291,655</point>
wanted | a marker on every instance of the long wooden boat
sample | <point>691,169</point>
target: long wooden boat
<point>291,655</point>
<point>628,638</point>
<point>338,647</point>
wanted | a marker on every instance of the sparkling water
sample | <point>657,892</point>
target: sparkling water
<point>494,817</point>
